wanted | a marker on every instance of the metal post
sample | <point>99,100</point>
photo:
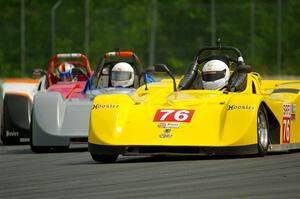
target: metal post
<point>213,22</point>
<point>53,9</point>
<point>252,10</point>
<point>279,36</point>
<point>22,35</point>
<point>153,33</point>
<point>86,27</point>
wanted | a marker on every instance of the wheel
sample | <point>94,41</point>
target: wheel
<point>105,158</point>
<point>60,148</point>
<point>4,124</point>
<point>47,149</point>
<point>40,149</point>
<point>262,131</point>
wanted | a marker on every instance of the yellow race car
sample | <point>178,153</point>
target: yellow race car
<point>249,116</point>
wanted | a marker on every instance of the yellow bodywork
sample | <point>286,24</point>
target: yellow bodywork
<point>219,119</point>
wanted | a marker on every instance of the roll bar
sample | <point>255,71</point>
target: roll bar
<point>68,55</point>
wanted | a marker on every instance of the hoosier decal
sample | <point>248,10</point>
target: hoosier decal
<point>240,107</point>
<point>100,106</point>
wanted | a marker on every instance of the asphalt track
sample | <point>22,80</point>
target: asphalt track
<point>73,174</point>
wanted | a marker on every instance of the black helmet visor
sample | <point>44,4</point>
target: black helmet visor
<point>210,76</point>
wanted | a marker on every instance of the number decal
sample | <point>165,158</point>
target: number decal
<point>173,115</point>
<point>167,113</point>
<point>181,115</point>
<point>286,123</point>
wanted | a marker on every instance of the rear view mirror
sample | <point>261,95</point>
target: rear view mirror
<point>164,68</point>
<point>38,72</point>
<point>161,68</point>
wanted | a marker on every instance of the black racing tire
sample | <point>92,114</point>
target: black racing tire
<point>40,149</point>
<point>60,148</point>
<point>48,149</point>
<point>105,158</point>
<point>2,128</point>
<point>262,131</point>
<point>4,124</point>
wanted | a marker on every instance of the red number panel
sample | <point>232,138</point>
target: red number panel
<point>173,115</point>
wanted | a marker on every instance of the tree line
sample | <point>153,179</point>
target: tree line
<point>158,31</point>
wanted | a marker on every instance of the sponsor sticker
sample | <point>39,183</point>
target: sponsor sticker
<point>166,134</point>
<point>240,107</point>
<point>294,108</point>
<point>286,123</point>
<point>12,134</point>
<point>293,114</point>
<point>168,125</point>
<point>173,115</point>
<point>102,106</point>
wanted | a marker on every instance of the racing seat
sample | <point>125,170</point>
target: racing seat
<point>197,83</point>
<point>223,58</point>
<point>136,81</point>
<point>103,82</point>
<point>192,77</point>
<point>237,81</point>
<point>189,77</point>
<point>104,79</point>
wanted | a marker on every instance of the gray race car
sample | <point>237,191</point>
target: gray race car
<point>62,117</point>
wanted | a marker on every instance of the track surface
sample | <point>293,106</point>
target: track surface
<point>73,174</point>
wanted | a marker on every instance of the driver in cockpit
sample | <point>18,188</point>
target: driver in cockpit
<point>215,75</point>
<point>122,75</point>
<point>64,72</point>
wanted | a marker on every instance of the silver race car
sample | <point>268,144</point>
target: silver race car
<point>61,113</point>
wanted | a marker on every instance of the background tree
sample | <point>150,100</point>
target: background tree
<point>182,27</point>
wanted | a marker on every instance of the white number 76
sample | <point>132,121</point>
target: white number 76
<point>180,115</point>
<point>167,113</point>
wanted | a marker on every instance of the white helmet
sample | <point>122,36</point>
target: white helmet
<point>215,75</point>
<point>122,75</point>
